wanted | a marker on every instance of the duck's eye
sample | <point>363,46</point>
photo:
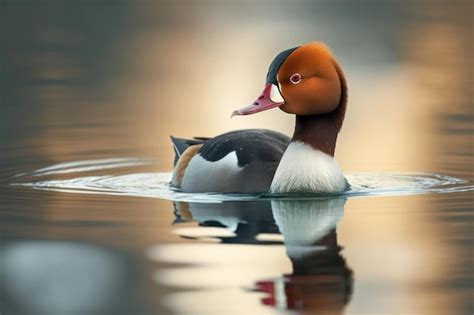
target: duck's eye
<point>295,78</point>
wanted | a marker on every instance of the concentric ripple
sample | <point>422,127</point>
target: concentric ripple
<point>156,184</point>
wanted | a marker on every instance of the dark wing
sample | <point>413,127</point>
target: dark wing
<point>180,145</point>
<point>250,145</point>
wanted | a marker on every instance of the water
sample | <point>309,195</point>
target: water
<point>91,91</point>
<point>157,185</point>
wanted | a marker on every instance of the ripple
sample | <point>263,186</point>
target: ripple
<point>156,184</point>
<point>86,166</point>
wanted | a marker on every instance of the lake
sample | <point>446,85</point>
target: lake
<point>91,91</point>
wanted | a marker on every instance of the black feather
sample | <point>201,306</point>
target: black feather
<point>249,145</point>
<point>180,145</point>
<point>276,64</point>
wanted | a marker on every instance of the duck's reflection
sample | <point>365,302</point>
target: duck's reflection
<point>321,279</point>
<point>245,219</point>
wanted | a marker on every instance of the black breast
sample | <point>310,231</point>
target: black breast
<point>250,145</point>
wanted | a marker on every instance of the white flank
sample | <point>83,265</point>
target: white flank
<point>304,169</point>
<point>202,174</point>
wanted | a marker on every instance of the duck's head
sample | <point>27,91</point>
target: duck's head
<point>304,80</point>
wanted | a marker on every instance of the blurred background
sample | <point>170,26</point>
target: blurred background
<point>134,72</point>
<point>84,80</point>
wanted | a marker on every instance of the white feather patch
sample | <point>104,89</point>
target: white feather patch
<point>305,169</point>
<point>201,174</point>
<point>275,94</point>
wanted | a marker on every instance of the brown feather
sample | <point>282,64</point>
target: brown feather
<point>183,162</point>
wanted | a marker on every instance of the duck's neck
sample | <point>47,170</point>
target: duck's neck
<point>308,164</point>
<point>318,131</point>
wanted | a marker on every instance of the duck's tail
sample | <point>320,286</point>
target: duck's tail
<point>180,145</point>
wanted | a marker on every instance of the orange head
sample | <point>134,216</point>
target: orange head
<point>305,80</point>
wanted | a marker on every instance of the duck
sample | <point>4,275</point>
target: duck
<point>305,81</point>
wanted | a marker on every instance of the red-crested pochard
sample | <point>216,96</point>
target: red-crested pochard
<point>305,81</point>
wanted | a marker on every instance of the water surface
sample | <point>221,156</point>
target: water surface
<point>90,93</point>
